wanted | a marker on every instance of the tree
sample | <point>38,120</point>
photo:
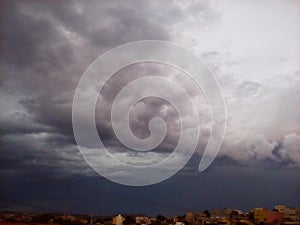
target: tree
<point>251,216</point>
<point>241,223</point>
<point>42,218</point>
<point>129,220</point>
<point>262,223</point>
<point>207,213</point>
<point>160,218</point>
<point>234,214</point>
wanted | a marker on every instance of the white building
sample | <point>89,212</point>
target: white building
<point>279,208</point>
<point>142,220</point>
<point>179,223</point>
<point>118,220</point>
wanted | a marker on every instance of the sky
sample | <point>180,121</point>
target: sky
<point>253,49</point>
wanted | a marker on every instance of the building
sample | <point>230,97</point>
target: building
<point>291,214</point>
<point>195,218</point>
<point>298,214</point>
<point>273,216</point>
<point>118,220</point>
<point>179,223</point>
<point>260,215</point>
<point>142,220</point>
<point>279,208</point>
<point>221,213</point>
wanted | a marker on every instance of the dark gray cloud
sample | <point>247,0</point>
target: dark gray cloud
<point>41,64</point>
<point>47,46</point>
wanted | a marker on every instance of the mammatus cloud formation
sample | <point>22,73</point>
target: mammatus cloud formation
<point>47,46</point>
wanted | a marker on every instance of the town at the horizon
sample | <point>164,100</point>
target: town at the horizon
<point>279,215</point>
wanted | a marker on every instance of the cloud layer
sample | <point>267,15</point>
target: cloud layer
<point>48,45</point>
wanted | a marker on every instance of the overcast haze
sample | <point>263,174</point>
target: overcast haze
<point>252,47</point>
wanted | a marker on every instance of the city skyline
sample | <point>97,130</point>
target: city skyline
<point>279,215</point>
